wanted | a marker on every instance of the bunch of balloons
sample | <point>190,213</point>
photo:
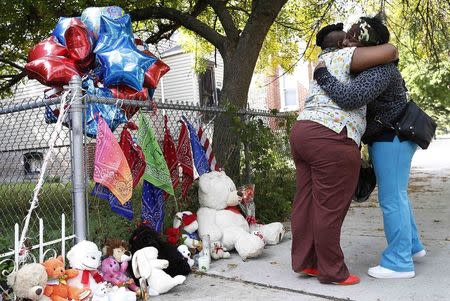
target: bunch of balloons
<point>101,48</point>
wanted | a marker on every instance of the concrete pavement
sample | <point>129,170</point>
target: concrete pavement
<point>270,277</point>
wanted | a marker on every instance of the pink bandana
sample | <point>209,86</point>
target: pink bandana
<point>110,166</point>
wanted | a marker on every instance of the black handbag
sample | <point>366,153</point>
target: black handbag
<point>414,125</point>
<point>366,182</point>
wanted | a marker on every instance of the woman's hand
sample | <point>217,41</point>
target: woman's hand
<point>321,64</point>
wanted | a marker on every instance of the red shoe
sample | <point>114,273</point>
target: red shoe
<point>352,279</point>
<point>310,272</point>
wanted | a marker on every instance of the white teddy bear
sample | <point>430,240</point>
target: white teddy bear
<point>86,258</point>
<point>219,218</point>
<point>29,282</point>
<point>147,266</point>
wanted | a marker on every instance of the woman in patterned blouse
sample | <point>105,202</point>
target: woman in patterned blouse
<point>382,89</point>
<point>324,145</point>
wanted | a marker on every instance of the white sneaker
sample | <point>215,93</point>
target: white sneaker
<point>383,273</point>
<point>419,254</point>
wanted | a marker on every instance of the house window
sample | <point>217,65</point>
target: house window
<point>32,163</point>
<point>207,87</point>
<point>289,93</point>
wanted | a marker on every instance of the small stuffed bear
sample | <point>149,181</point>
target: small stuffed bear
<point>144,237</point>
<point>57,288</point>
<point>29,282</point>
<point>105,292</point>
<point>217,251</point>
<point>187,221</point>
<point>184,250</point>
<point>115,273</point>
<point>85,257</point>
<point>146,265</point>
<point>220,218</point>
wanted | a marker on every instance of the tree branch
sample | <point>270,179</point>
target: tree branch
<point>14,80</point>
<point>219,7</point>
<point>10,63</point>
<point>264,13</point>
<point>181,18</point>
<point>165,31</point>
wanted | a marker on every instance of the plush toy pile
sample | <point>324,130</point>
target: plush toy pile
<point>100,47</point>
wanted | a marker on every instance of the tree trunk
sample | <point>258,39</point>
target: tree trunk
<point>239,58</point>
<point>236,82</point>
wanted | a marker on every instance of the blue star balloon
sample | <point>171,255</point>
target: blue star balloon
<point>124,64</point>
<point>60,29</point>
<point>91,17</point>
<point>112,114</point>
<point>112,30</point>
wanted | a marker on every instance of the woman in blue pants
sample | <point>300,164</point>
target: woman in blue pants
<point>382,89</point>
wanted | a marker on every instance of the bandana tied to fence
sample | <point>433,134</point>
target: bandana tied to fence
<point>156,177</point>
<point>156,171</point>
<point>198,153</point>
<point>170,155</point>
<point>152,206</point>
<point>133,153</point>
<point>110,166</point>
<point>184,154</point>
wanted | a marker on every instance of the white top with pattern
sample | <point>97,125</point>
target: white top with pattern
<point>322,109</point>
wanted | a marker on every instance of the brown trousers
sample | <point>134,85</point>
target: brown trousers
<point>327,167</point>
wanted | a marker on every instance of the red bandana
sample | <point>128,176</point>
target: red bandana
<point>184,154</point>
<point>170,155</point>
<point>85,277</point>
<point>234,209</point>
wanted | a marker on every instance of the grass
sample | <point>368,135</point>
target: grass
<point>55,198</point>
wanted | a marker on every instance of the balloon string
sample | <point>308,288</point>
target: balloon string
<point>63,109</point>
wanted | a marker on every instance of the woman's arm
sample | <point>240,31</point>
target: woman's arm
<point>368,57</point>
<point>365,87</point>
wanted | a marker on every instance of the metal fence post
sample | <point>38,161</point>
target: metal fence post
<point>78,181</point>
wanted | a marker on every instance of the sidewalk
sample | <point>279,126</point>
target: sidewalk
<point>270,277</point>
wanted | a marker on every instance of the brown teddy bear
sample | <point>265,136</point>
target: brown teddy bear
<point>118,249</point>
<point>57,288</point>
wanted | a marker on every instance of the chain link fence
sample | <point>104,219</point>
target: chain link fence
<point>24,136</point>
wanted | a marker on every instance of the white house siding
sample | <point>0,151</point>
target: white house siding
<point>178,82</point>
<point>257,94</point>
<point>26,131</point>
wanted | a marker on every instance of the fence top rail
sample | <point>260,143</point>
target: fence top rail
<point>29,104</point>
<point>39,102</point>
<point>183,106</point>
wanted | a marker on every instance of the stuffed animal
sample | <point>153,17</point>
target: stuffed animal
<point>220,218</point>
<point>115,273</point>
<point>186,221</point>
<point>57,288</point>
<point>29,282</point>
<point>121,294</point>
<point>217,251</point>
<point>105,292</point>
<point>101,293</point>
<point>184,250</point>
<point>85,257</point>
<point>144,236</point>
<point>146,265</point>
<point>117,248</point>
